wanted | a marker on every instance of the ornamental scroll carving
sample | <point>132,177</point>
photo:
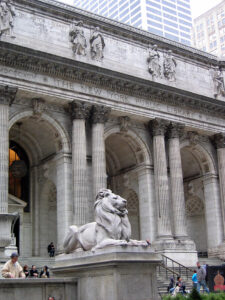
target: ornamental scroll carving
<point>7,14</point>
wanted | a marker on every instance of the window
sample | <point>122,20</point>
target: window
<point>169,17</point>
<point>134,12</point>
<point>170,23</point>
<point>135,18</point>
<point>137,24</point>
<point>187,36</point>
<point>184,10</point>
<point>173,12</point>
<point>170,29</point>
<point>153,4</point>
<point>135,4</point>
<point>183,4</point>
<point>153,17</point>
<point>168,4</point>
<point>185,42</point>
<point>154,11</point>
<point>185,29</point>
<point>185,23</point>
<point>171,37</point>
<point>155,31</point>
<point>184,17</point>
<point>124,13</point>
<point>155,24</point>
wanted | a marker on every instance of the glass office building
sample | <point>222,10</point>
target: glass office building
<point>169,18</point>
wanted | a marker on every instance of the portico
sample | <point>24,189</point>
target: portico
<point>79,124</point>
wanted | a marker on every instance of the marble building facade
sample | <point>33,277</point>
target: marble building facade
<point>87,103</point>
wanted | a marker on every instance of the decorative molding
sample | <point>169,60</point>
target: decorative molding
<point>219,140</point>
<point>7,94</point>
<point>175,130</point>
<point>124,123</point>
<point>100,113</point>
<point>44,63</point>
<point>158,126</point>
<point>79,110</point>
<point>39,106</point>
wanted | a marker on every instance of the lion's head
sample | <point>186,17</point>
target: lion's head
<point>111,213</point>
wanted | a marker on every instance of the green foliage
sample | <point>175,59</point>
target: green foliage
<point>194,295</point>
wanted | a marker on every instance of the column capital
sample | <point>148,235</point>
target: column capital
<point>158,126</point>
<point>7,94</point>
<point>100,113</point>
<point>175,130</point>
<point>219,140</point>
<point>79,110</point>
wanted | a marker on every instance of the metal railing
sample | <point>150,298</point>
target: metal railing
<point>173,267</point>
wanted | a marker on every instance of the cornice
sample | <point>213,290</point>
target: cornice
<point>43,63</point>
<point>68,13</point>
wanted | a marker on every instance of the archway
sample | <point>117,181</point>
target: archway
<point>201,196</point>
<point>125,153</point>
<point>41,138</point>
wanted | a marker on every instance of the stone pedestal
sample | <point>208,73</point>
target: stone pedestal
<point>113,273</point>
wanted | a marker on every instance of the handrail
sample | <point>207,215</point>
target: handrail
<point>172,267</point>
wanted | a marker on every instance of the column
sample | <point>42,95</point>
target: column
<point>158,128</point>
<point>64,197</point>
<point>176,180</point>
<point>79,111</point>
<point>7,95</point>
<point>147,204</point>
<point>100,115</point>
<point>219,140</point>
<point>212,212</point>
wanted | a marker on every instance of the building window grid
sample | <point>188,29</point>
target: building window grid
<point>167,15</point>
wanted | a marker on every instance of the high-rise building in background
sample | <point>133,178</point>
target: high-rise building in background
<point>208,32</point>
<point>169,18</point>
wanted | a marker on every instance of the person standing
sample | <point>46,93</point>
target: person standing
<point>51,249</point>
<point>12,269</point>
<point>195,280</point>
<point>201,275</point>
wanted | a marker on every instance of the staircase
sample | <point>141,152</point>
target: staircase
<point>170,268</point>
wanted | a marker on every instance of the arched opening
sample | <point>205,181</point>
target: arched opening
<point>36,141</point>
<point>19,174</point>
<point>196,164</point>
<point>123,155</point>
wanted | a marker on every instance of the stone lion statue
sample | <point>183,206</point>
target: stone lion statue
<point>111,226</point>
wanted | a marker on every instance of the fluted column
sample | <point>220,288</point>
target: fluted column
<point>219,140</point>
<point>79,111</point>
<point>7,95</point>
<point>176,180</point>
<point>64,197</point>
<point>100,115</point>
<point>158,128</point>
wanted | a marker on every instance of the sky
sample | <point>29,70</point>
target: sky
<point>198,6</point>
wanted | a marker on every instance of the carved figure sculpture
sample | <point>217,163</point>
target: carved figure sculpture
<point>78,39</point>
<point>111,226</point>
<point>7,14</point>
<point>218,80</point>
<point>169,66</point>
<point>97,44</point>
<point>154,67</point>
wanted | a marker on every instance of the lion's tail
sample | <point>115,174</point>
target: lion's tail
<point>71,240</point>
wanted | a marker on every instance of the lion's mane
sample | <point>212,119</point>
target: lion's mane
<point>112,219</point>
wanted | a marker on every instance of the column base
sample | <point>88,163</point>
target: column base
<point>182,251</point>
